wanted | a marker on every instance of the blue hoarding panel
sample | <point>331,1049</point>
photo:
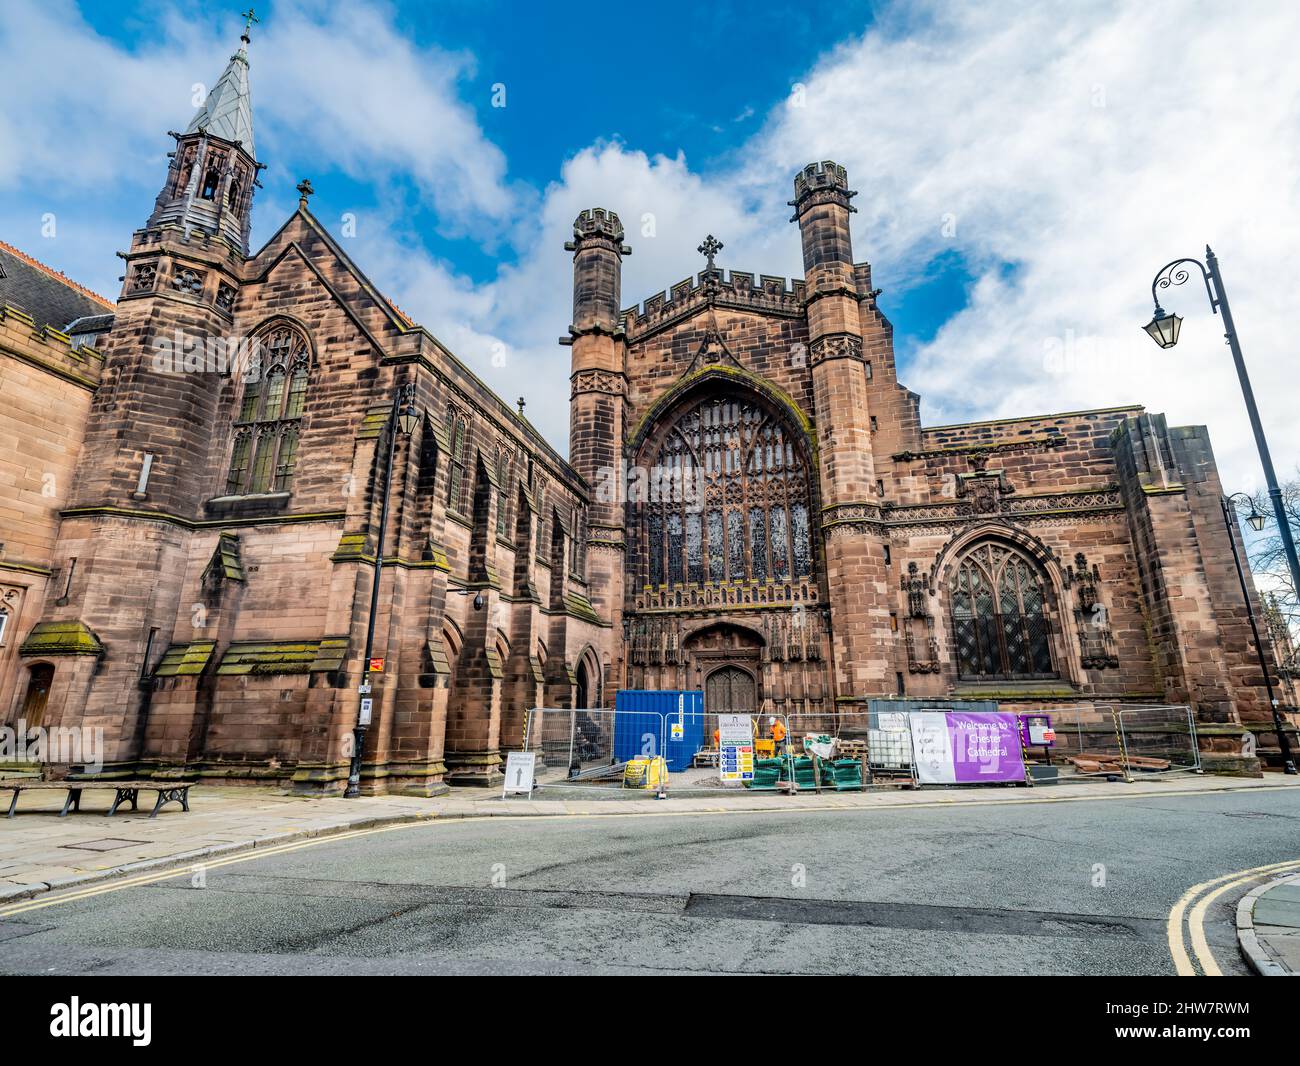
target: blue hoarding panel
<point>640,714</point>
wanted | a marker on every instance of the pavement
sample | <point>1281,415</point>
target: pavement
<point>40,852</point>
<point>1268,927</point>
<point>997,881</point>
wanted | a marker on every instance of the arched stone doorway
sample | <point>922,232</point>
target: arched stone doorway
<point>724,660</point>
<point>587,680</point>
<point>582,695</point>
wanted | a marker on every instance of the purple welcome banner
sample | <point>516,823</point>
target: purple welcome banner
<point>967,747</point>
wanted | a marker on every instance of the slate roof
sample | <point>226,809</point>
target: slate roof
<point>228,110</point>
<point>51,298</point>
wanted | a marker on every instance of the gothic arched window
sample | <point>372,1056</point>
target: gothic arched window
<point>999,615</point>
<point>458,436</point>
<point>269,419</point>
<point>504,465</point>
<point>725,497</point>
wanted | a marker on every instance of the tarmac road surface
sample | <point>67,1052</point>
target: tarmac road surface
<point>1030,887</point>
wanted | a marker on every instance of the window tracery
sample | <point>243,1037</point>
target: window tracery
<point>726,498</point>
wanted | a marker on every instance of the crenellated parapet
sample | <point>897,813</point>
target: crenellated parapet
<point>597,223</point>
<point>735,289</point>
<point>48,349</point>
<point>820,183</point>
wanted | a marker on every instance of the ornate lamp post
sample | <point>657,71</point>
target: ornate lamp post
<point>1256,521</point>
<point>403,417</point>
<point>1163,329</point>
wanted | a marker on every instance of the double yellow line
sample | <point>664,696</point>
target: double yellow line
<point>1192,907</point>
<point>119,883</point>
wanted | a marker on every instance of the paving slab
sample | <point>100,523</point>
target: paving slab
<point>1268,927</point>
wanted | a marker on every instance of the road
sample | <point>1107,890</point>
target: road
<point>1025,888</point>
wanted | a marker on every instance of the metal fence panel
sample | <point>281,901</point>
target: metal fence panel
<point>589,747</point>
<point>1159,739</point>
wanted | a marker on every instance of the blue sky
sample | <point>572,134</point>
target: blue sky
<point>1022,171</point>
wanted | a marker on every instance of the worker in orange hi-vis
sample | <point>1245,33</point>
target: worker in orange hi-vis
<point>778,733</point>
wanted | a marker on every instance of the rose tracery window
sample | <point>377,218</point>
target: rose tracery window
<point>999,616</point>
<point>269,419</point>
<point>725,498</point>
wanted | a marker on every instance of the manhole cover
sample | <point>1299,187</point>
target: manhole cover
<point>107,844</point>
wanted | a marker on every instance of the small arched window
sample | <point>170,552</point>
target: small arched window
<point>4,624</point>
<point>999,616</point>
<point>269,419</point>
<point>213,169</point>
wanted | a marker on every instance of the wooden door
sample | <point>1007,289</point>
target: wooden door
<point>41,676</point>
<point>729,690</point>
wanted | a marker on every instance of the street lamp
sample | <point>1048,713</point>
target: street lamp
<point>1228,503</point>
<point>403,417</point>
<point>1163,329</point>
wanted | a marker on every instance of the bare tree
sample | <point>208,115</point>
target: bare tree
<point>1273,575</point>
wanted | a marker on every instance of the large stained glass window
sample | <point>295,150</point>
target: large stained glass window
<point>725,497</point>
<point>267,424</point>
<point>999,616</point>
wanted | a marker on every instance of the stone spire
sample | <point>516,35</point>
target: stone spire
<point>209,186</point>
<point>228,111</point>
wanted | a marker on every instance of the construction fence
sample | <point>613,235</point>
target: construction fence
<point>600,750</point>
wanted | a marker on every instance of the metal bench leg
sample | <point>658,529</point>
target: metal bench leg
<point>124,795</point>
<point>71,802</point>
<point>171,795</point>
<point>13,803</point>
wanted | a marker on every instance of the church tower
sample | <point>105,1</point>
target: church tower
<point>146,477</point>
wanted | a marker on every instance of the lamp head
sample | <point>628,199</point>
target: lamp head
<point>408,417</point>
<point>1163,328</point>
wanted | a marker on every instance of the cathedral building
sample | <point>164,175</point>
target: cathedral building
<point>201,480</point>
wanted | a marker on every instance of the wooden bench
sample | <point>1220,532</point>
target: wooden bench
<point>126,792</point>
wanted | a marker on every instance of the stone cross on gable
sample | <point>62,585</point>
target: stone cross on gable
<point>304,191</point>
<point>711,247</point>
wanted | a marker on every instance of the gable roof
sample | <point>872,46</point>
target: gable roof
<point>51,298</point>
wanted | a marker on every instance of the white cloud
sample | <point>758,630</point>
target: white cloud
<point>336,84</point>
<point>341,82</point>
<point>1086,145</point>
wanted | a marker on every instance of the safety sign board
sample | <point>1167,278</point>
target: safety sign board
<point>521,768</point>
<point>736,747</point>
